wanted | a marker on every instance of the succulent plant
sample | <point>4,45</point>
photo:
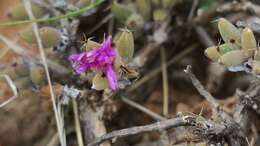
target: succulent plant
<point>23,82</point>
<point>50,36</point>
<point>228,32</point>
<point>168,3</point>
<point>145,8</point>
<point>18,12</point>
<point>227,47</point>
<point>10,71</point>
<point>135,22</point>
<point>239,52</point>
<point>37,74</point>
<point>232,58</point>
<point>212,53</point>
<point>256,62</point>
<point>21,69</point>
<point>160,14</point>
<point>121,11</point>
<point>125,45</point>
<point>248,41</point>
<point>99,82</point>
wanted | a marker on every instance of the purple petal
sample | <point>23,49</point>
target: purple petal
<point>107,42</point>
<point>79,62</point>
<point>111,76</point>
<point>80,68</point>
<point>99,58</point>
<point>73,57</point>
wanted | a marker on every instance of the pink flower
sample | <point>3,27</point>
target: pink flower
<point>99,58</point>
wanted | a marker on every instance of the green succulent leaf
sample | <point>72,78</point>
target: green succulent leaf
<point>228,32</point>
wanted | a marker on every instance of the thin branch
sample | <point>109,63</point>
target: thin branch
<point>200,88</point>
<point>13,88</point>
<point>143,109</point>
<point>192,10</point>
<point>162,125</point>
<point>216,106</point>
<point>240,6</point>
<point>204,37</point>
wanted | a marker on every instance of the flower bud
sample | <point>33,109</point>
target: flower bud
<point>125,45</point>
<point>50,36</point>
<point>28,36</point>
<point>168,3</point>
<point>135,22</point>
<point>37,75</point>
<point>89,44</point>
<point>212,53</point>
<point>257,55</point>
<point>10,71</point>
<point>228,31</point>
<point>99,82</point>
<point>120,11</point>
<point>256,67</point>
<point>232,58</point>
<point>21,69</point>
<point>248,41</point>
<point>23,82</point>
<point>18,12</point>
<point>156,3</point>
<point>145,8</point>
<point>227,47</point>
<point>160,15</point>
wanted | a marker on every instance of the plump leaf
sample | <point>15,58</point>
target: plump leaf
<point>232,58</point>
<point>125,45</point>
<point>227,47</point>
<point>212,53</point>
<point>248,41</point>
<point>228,31</point>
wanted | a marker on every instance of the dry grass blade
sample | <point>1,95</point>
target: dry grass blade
<point>4,52</point>
<point>143,109</point>
<point>13,88</point>
<point>165,83</point>
<point>16,48</point>
<point>77,122</point>
<point>58,115</point>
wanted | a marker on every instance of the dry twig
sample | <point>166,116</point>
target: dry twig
<point>240,6</point>
<point>13,88</point>
<point>201,89</point>
<point>171,123</point>
<point>143,109</point>
<point>230,126</point>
